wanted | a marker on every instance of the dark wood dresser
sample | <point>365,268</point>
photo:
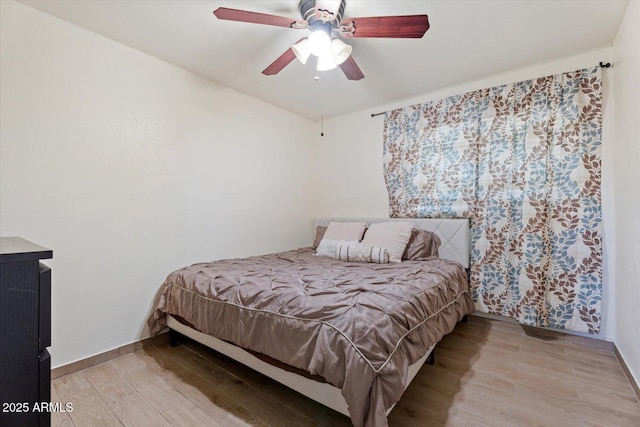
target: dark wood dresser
<point>25,333</point>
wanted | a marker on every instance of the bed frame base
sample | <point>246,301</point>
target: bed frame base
<point>174,337</point>
<point>431,358</point>
<point>324,393</point>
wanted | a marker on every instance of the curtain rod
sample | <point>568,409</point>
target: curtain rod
<point>602,65</point>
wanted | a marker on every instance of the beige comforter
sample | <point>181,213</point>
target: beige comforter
<point>358,325</point>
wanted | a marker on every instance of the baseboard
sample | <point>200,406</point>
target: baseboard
<point>627,373</point>
<point>108,355</point>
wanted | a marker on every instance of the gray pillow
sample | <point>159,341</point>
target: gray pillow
<point>422,244</point>
<point>319,235</point>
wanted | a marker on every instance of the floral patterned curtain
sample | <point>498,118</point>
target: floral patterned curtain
<point>523,162</point>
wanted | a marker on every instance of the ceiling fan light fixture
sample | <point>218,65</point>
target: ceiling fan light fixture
<point>319,43</point>
<point>340,50</point>
<point>326,62</point>
<point>302,50</point>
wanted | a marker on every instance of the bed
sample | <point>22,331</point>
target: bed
<point>350,335</point>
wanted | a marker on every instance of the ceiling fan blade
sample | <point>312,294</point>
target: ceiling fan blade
<point>282,61</point>
<point>408,26</point>
<point>258,18</point>
<point>351,69</point>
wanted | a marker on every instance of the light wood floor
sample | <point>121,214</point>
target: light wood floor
<point>486,373</point>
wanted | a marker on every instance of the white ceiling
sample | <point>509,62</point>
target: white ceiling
<point>468,40</point>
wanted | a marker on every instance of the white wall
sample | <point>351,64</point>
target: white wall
<point>129,167</point>
<point>627,194</point>
<point>349,174</point>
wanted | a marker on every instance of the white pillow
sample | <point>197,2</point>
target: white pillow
<point>345,233</point>
<point>327,247</point>
<point>359,253</point>
<point>391,235</point>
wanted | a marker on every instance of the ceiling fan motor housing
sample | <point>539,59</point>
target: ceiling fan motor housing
<point>320,13</point>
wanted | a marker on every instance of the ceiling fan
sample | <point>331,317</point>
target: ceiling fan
<point>324,18</point>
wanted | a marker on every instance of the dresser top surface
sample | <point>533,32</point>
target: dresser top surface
<point>18,249</point>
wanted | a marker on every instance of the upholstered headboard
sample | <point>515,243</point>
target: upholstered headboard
<point>454,233</point>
